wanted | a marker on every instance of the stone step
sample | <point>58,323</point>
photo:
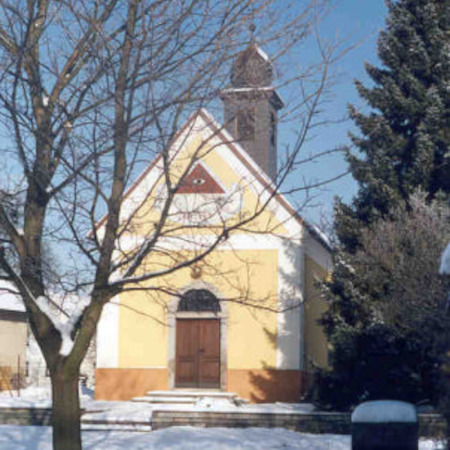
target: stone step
<point>187,397</point>
<point>192,393</point>
<point>165,400</point>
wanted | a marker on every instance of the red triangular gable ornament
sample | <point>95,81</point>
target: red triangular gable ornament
<point>199,181</point>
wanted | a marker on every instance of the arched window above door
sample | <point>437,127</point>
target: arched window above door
<point>198,300</point>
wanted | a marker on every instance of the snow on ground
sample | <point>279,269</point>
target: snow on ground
<point>31,397</point>
<point>216,405</point>
<point>225,405</point>
<point>185,438</point>
<point>279,407</point>
<point>119,411</point>
<point>39,438</point>
<point>140,411</point>
<point>40,397</point>
<point>37,397</point>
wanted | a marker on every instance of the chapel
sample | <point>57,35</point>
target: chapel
<point>244,318</point>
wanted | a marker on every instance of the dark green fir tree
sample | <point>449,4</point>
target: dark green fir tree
<point>402,146</point>
<point>404,141</point>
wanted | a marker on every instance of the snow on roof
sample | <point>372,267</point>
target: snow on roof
<point>8,300</point>
<point>321,234</point>
<point>444,269</point>
<point>384,411</point>
<point>262,53</point>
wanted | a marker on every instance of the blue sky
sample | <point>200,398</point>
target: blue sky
<point>357,22</point>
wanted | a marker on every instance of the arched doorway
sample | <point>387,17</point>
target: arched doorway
<point>198,336</point>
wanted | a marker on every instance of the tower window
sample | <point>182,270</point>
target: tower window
<point>246,124</point>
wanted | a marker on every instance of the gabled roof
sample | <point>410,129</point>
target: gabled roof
<point>246,161</point>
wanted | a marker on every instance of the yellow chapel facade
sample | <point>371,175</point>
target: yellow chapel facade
<point>243,318</point>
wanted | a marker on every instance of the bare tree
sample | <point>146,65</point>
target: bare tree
<point>90,92</point>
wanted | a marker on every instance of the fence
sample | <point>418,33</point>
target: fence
<point>16,376</point>
<point>13,377</point>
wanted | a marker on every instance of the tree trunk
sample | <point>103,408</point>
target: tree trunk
<point>66,411</point>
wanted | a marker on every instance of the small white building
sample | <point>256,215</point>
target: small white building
<point>13,338</point>
<point>21,358</point>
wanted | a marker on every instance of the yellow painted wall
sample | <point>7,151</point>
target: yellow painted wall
<point>251,333</point>
<point>143,331</point>
<point>316,345</point>
<point>243,277</point>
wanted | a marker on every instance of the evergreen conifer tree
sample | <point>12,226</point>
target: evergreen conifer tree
<point>404,140</point>
<point>405,137</point>
<point>404,147</point>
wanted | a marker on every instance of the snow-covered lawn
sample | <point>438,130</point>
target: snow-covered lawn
<point>39,438</point>
<point>118,411</point>
<point>185,438</point>
<point>40,397</point>
<point>36,397</point>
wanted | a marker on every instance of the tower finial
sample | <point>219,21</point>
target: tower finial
<point>252,28</point>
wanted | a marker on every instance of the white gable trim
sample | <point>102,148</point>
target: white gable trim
<point>220,139</point>
<point>220,145</point>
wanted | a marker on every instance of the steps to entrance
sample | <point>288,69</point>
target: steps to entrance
<point>190,397</point>
<point>165,400</point>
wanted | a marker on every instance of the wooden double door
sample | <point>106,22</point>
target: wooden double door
<point>197,353</point>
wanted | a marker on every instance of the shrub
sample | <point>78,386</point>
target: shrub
<point>375,363</point>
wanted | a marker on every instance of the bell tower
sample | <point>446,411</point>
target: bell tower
<point>251,104</point>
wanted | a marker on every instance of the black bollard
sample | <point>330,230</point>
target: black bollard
<point>385,425</point>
